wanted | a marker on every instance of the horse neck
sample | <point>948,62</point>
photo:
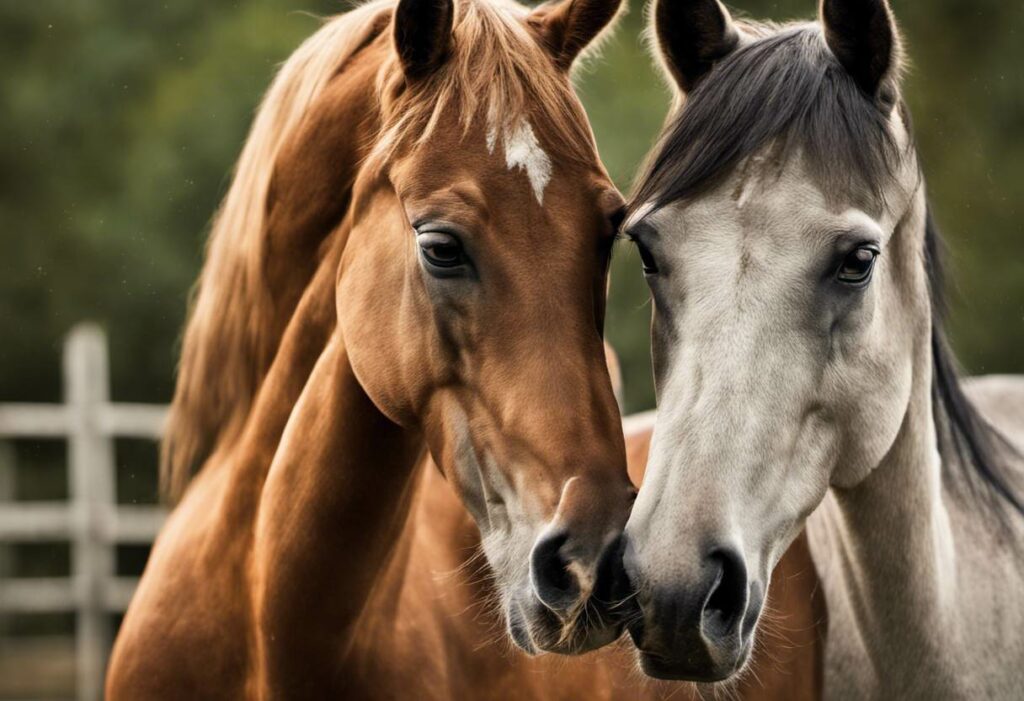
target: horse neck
<point>917,573</point>
<point>309,500</point>
<point>331,511</point>
<point>247,460</point>
<point>886,552</point>
<point>317,486</point>
<point>323,482</point>
<point>922,584</point>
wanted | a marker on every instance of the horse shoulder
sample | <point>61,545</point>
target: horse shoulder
<point>186,600</point>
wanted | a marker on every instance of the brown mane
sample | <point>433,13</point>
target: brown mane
<point>236,321</point>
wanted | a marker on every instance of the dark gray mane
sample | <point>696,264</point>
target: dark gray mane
<point>968,443</point>
<point>786,91</point>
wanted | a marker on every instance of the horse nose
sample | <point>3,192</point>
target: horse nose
<point>565,575</point>
<point>554,573</point>
<point>614,589</point>
<point>701,630</point>
<point>725,600</point>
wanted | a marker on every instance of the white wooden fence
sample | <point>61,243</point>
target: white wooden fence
<point>91,520</point>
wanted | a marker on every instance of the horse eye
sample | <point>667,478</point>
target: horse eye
<point>646,259</point>
<point>857,266</point>
<point>440,249</point>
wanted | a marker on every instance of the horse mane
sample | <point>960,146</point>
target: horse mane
<point>964,434</point>
<point>230,335</point>
<point>786,91</point>
<point>233,328</point>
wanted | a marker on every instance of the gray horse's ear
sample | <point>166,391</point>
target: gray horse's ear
<point>423,35</point>
<point>692,35</point>
<point>569,26</point>
<point>862,35</point>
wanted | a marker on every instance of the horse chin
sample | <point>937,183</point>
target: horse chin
<point>534,629</point>
<point>698,663</point>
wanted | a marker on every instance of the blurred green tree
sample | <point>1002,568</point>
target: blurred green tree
<point>121,124</point>
<point>121,121</point>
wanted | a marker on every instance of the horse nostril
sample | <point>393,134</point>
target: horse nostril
<point>555,585</point>
<point>727,597</point>
<point>613,585</point>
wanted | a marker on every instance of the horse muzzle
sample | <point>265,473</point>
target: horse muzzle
<point>574,603</point>
<point>702,632</point>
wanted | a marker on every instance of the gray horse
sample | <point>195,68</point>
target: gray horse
<point>803,376</point>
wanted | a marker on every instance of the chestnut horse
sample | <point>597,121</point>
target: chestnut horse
<point>413,256</point>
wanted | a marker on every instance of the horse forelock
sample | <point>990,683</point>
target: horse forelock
<point>781,92</point>
<point>497,70</point>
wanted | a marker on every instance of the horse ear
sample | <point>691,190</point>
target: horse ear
<point>567,27</point>
<point>862,35</point>
<point>692,35</point>
<point>423,34</point>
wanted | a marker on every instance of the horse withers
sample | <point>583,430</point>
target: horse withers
<point>413,256</point>
<point>801,367</point>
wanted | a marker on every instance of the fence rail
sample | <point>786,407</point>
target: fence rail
<point>91,520</point>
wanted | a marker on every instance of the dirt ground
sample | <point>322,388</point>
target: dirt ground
<point>37,668</point>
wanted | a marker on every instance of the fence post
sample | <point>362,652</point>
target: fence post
<point>7,494</point>
<point>91,463</point>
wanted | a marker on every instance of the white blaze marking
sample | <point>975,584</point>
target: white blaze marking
<point>748,188</point>
<point>523,151</point>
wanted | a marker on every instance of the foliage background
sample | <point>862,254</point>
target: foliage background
<point>121,120</point>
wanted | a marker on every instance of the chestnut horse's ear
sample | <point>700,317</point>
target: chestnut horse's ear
<point>423,34</point>
<point>862,35</point>
<point>567,27</point>
<point>692,36</point>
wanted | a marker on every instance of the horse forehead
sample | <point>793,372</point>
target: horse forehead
<point>778,194</point>
<point>480,157</point>
<point>523,152</point>
<point>759,205</point>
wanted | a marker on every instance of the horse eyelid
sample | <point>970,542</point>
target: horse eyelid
<point>425,226</point>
